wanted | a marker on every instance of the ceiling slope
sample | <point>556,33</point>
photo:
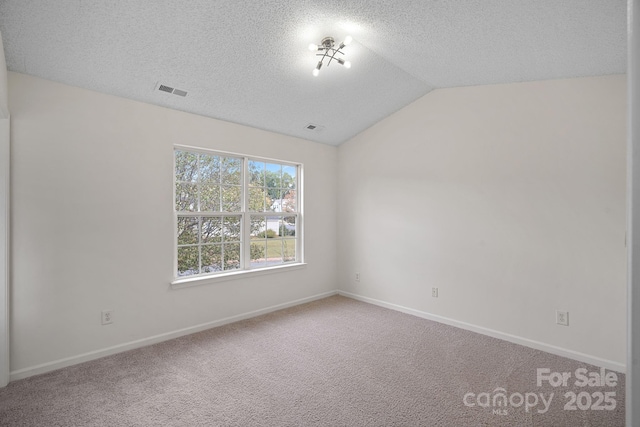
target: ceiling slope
<point>248,62</point>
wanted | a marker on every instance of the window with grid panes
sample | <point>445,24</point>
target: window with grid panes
<point>234,212</point>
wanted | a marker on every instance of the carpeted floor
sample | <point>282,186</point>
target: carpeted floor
<point>333,362</point>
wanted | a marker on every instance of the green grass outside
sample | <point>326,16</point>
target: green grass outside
<point>275,247</point>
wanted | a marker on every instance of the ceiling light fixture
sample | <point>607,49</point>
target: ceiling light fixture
<point>327,49</point>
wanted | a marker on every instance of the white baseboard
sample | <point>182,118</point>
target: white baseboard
<point>559,351</point>
<point>97,354</point>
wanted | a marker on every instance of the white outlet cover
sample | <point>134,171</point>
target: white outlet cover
<point>562,318</point>
<point>107,317</point>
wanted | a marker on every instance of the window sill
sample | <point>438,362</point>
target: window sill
<point>233,275</point>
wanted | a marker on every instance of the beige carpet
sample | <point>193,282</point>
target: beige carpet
<point>334,362</point>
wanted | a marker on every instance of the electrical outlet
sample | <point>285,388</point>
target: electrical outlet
<point>357,277</point>
<point>562,318</point>
<point>107,317</point>
<point>434,292</point>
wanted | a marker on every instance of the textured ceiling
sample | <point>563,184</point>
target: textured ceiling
<point>248,62</point>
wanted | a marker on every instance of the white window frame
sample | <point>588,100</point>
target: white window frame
<point>245,215</point>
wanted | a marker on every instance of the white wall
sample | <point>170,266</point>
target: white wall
<point>508,198</point>
<point>92,222</point>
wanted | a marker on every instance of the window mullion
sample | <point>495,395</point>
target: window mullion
<point>222,255</point>
<point>175,219</point>
<point>299,237</point>
<point>198,187</point>
<point>198,209</point>
<point>199,255</point>
<point>220,188</point>
<point>246,218</point>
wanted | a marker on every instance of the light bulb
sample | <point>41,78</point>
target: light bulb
<point>348,39</point>
<point>316,72</point>
<point>347,64</point>
<point>313,47</point>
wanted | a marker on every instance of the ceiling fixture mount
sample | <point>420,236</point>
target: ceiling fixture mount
<point>327,50</point>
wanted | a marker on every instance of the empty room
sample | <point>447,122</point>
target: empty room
<point>328,213</point>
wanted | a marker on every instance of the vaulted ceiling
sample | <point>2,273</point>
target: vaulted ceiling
<point>248,61</point>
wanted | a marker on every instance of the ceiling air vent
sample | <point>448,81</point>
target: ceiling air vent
<point>169,89</point>
<point>314,127</point>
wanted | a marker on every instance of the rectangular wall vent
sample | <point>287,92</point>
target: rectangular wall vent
<point>169,89</point>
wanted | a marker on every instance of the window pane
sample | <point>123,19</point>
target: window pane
<point>274,251</point>
<point>232,229</point>
<point>209,169</point>
<point>288,226</point>
<point>256,173</point>
<point>211,230</point>
<point>256,199</point>
<point>289,201</point>
<point>231,171</point>
<point>231,256</point>
<point>186,166</point>
<point>187,230</point>
<point>188,261</point>
<point>276,204</point>
<point>269,202</point>
<point>288,250</point>
<point>231,199</point>
<point>273,175</point>
<point>211,258</point>
<point>272,202</point>
<point>258,250</point>
<point>186,197</point>
<point>289,177</point>
<point>258,225</point>
<point>273,224</point>
<point>209,198</point>
<point>272,179</point>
